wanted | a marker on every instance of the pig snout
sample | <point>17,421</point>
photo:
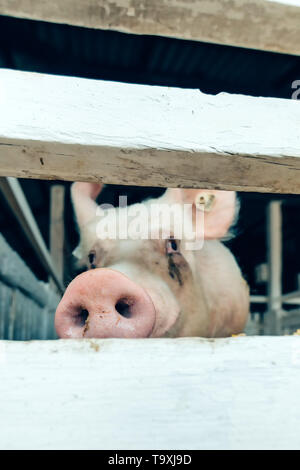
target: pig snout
<point>103,303</point>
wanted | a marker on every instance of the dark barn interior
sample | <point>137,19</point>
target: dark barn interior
<point>108,55</point>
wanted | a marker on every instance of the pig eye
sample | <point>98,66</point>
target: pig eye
<point>92,258</point>
<point>172,246</point>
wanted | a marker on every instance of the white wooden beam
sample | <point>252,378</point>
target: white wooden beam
<point>77,129</point>
<point>13,193</point>
<point>191,393</point>
<point>257,24</point>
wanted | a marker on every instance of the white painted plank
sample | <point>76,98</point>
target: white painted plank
<point>258,24</point>
<point>192,393</point>
<point>77,129</point>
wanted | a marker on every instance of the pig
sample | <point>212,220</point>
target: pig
<point>149,288</point>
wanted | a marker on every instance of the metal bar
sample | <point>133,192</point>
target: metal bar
<point>258,299</point>
<point>291,295</point>
<point>285,299</point>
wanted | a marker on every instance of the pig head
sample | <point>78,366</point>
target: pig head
<point>155,286</point>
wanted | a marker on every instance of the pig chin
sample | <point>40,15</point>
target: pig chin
<point>168,315</point>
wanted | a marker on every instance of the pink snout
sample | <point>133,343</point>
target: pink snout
<point>103,303</point>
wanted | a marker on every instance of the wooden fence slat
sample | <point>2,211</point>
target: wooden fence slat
<point>87,130</point>
<point>6,294</point>
<point>258,24</point>
<point>16,199</point>
<point>190,393</point>
<point>15,273</point>
<point>27,306</point>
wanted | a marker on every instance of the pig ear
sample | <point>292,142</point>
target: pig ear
<point>220,211</point>
<point>220,208</point>
<point>83,198</point>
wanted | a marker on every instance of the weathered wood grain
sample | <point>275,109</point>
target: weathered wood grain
<point>258,24</point>
<point>27,306</point>
<point>21,318</point>
<point>76,129</point>
<point>57,229</point>
<point>15,273</point>
<point>238,393</point>
<point>16,199</point>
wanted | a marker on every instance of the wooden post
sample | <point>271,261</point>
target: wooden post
<point>274,253</point>
<point>57,228</point>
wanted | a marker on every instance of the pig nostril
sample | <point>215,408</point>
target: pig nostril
<point>82,317</point>
<point>123,308</point>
